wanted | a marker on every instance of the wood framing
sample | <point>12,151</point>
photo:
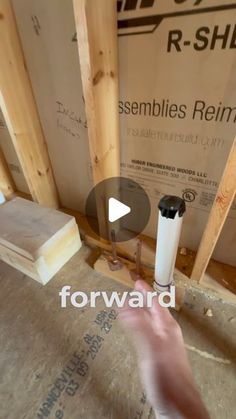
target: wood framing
<point>7,185</point>
<point>217,217</point>
<point>96,26</point>
<point>20,112</point>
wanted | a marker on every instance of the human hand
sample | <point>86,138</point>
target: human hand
<point>163,363</point>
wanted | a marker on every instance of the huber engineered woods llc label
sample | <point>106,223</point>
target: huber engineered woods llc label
<point>177,105</point>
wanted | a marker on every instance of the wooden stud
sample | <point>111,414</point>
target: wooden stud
<point>7,185</point>
<point>217,217</point>
<point>96,26</point>
<point>20,112</point>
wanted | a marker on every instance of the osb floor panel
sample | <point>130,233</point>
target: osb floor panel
<point>50,369</point>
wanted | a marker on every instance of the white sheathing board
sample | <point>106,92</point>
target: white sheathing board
<point>47,29</point>
<point>168,144</point>
<point>164,147</point>
<point>11,157</point>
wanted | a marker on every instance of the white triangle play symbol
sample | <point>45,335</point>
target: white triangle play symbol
<point>117,209</point>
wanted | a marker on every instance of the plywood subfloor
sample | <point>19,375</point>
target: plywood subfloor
<point>44,359</point>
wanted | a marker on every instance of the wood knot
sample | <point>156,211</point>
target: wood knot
<point>112,74</point>
<point>100,52</point>
<point>98,77</point>
<point>39,173</point>
<point>1,16</point>
<point>96,160</point>
<point>220,199</point>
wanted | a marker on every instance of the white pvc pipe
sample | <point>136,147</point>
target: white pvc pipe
<point>168,235</point>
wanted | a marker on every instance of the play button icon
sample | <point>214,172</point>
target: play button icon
<point>119,204</point>
<point>117,210</point>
